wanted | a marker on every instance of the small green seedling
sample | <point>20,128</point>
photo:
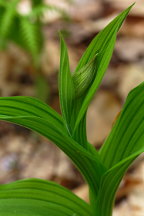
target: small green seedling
<point>101,170</point>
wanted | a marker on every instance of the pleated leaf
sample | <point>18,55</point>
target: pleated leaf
<point>110,182</point>
<point>33,197</point>
<point>103,44</point>
<point>39,117</point>
<point>82,80</point>
<point>89,73</point>
<point>66,87</point>
<point>123,145</point>
<point>84,77</point>
<point>104,171</point>
<point>102,38</point>
<point>127,135</point>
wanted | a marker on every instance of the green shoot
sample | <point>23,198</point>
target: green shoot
<point>102,170</point>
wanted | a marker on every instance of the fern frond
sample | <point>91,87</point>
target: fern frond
<point>32,37</point>
<point>7,19</point>
<point>14,35</point>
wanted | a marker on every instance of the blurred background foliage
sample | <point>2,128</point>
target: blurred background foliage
<point>23,25</point>
<point>29,64</point>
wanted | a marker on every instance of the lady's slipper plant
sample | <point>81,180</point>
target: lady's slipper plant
<point>102,170</point>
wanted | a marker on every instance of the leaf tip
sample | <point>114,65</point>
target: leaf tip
<point>131,6</point>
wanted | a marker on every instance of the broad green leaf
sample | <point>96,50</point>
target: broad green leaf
<point>103,44</point>
<point>110,182</point>
<point>127,135</point>
<point>71,91</point>
<point>98,77</point>
<point>33,197</point>
<point>103,38</point>
<point>66,87</point>
<point>87,78</point>
<point>124,144</point>
<point>29,106</point>
<point>39,117</point>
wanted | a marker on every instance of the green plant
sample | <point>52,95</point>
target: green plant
<point>102,170</point>
<point>25,30</point>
